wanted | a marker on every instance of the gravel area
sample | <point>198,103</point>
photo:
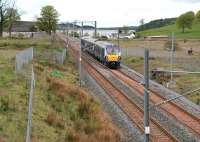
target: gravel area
<point>129,130</point>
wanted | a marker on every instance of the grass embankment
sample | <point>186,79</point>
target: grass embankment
<point>24,43</point>
<point>61,110</point>
<point>167,30</point>
<point>184,82</point>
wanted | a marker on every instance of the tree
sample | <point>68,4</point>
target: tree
<point>48,20</point>
<point>185,20</point>
<point>4,4</point>
<point>198,16</point>
<point>11,16</point>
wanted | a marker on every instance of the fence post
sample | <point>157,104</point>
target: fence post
<point>146,96</point>
<point>172,57</point>
<point>30,108</point>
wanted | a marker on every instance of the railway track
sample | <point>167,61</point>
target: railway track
<point>133,111</point>
<point>171,109</point>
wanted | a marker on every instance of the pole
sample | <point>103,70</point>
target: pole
<point>80,58</point>
<point>73,29</point>
<point>118,38</point>
<point>126,52</point>
<point>30,108</point>
<point>172,57</point>
<point>67,35</point>
<point>81,29</point>
<point>95,30</point>
<point>146,96</point>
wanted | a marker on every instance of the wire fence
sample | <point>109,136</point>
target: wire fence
<point>22,58</point>
<point>56,56</point>
<point>25,67</point>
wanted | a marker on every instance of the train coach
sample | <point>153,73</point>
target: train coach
<point>107,53</point>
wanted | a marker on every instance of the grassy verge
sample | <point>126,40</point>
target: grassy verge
<point>24,43</point>
<point>61,110</point>
<point>13,101</point>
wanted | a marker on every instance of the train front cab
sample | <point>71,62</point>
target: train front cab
<point>113,60</point>
<point>113,56</point>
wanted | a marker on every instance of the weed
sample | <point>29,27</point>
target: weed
<point>4,104</point>
<point>72,136</point>
<point>51,118</point>
<point>1,139</point>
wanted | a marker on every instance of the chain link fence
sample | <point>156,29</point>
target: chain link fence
<point>24,66</point>
<point>22,58</point>
<point>56,56</point>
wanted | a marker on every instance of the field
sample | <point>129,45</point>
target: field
<point>61,110</point>
<point>193,33</point>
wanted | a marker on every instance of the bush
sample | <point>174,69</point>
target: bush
<point>91,126</point>
<point>72,136</point>
<point>136,59</point>
<point>84,109</point>
<point>51,118</point>
<point>4,103</point>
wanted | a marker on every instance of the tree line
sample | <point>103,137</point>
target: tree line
<point>155,23</point>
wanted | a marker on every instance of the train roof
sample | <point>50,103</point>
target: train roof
<point>98,42</point>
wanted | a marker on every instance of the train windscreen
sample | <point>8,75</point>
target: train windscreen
<point>114,50</point>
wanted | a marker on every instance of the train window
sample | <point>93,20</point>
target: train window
<point>112,49</point>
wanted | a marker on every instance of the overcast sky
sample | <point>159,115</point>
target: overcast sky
<point>109,12</point>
